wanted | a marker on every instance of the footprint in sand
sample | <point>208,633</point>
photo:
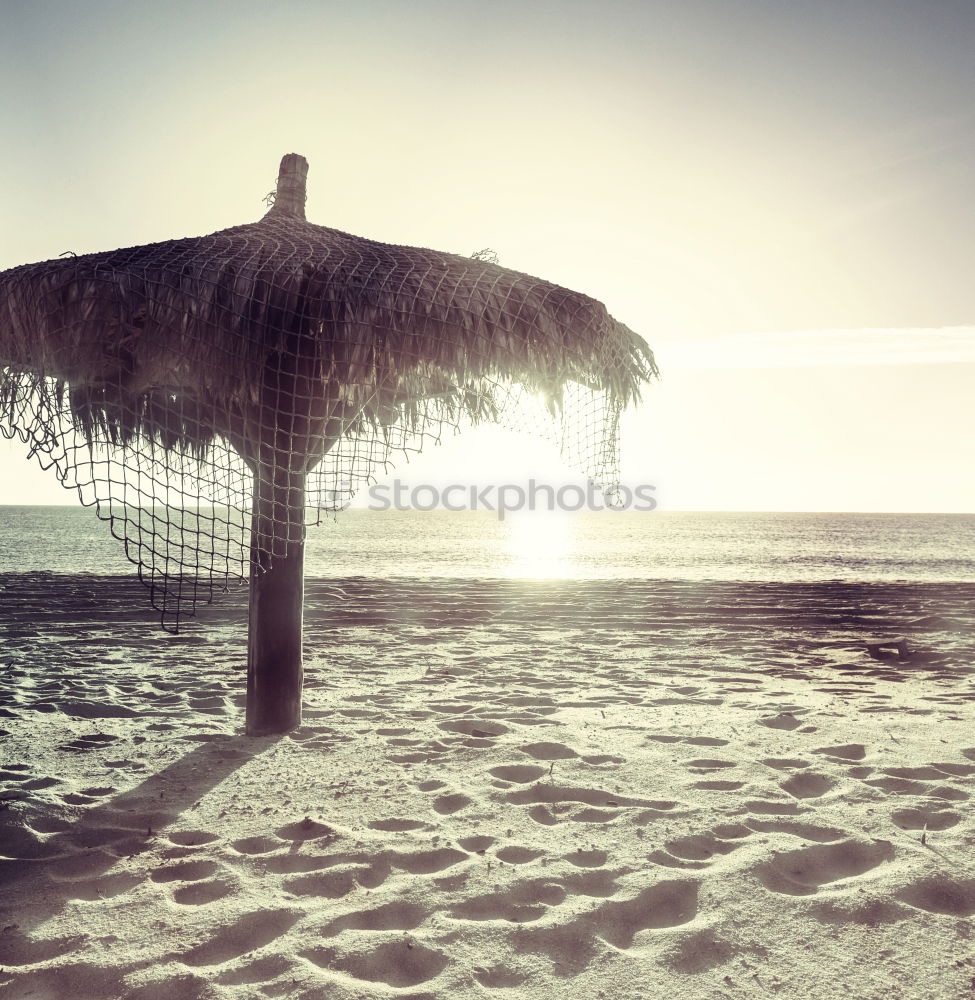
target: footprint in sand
<point>785,763</point>
<point>956,770</point>
<point>451,707</point>
<point>795,828</point>
<point>845,752</point>
<point>295,861</point>
<point>515,855</point>
<point>356,713</point>
<point>246,933</point>
<point>546,793</point>
<point>201,893</point>
<point>257,845</point>
<point>261,971</point>
<point>949,793</point>
<point>731,831</point>
<point>548,751</point>
<point>542,816</point>
<point>802,872</point>
<point>332,884</point>
<point>396,825</point>
<point>698,847</point>
<point>520,903</point>
<point>399,963</point>
<point>915,773</point>
<point>428,862</point>
<point>666,904</point>
<point>84,744</point>
<point>570,947</point>
<point>451,803</point>
<point>71,798</point>
<point>696,851</point>
<point>520,773</point>
<point>479,728</point>
<point>941,894</point>
<point>699,952</point>
<point>807,785</point>
<point>185,871</point>
<point>925,818</point>
<point>702,765</point>
<point>397,916</point>
<point>784,720</point>
<point>769,807</point>
<point>594,816</point>
<point>477,844</point>
<point>38,784</point>
<point>898,786</point>
<point>191,838</point>
<point>587,859</point>
<point>860,910</point>
<point>499,977</point>
<point>596,882</point>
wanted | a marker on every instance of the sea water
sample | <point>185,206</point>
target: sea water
<point>584,545</point>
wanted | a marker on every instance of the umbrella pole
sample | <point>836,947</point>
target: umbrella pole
<point>274,665</point>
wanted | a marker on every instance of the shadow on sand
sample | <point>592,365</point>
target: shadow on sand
<point>86,859</point>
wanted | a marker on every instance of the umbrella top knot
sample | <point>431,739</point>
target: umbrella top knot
<point>289,195</point>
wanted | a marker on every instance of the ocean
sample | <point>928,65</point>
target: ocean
<point>585,545</point>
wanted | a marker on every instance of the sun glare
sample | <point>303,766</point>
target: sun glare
<point>539,544</point>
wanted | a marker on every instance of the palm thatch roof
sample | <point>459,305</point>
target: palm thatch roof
<point>133,335</point>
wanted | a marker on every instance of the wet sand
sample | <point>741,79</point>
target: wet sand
<point>500,789</point>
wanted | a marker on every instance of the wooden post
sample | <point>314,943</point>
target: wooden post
<point>289,194</point>
<point>284,439</point>
<point>274,664</point>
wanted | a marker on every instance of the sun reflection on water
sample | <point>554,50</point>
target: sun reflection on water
<point>539,545</point>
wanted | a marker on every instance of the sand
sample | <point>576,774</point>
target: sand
<point>514,790</point>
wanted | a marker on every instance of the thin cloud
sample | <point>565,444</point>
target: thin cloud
<point>823,348</point>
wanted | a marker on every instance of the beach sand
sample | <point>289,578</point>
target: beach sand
<point>620,789</point>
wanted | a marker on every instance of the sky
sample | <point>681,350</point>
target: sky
<point>779,196</point>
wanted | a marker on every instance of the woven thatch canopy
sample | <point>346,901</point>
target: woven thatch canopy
<point>201,317</point>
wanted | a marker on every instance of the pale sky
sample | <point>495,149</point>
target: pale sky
<point>780,197</point>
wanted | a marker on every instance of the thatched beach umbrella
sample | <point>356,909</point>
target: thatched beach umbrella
<point>267,370</point>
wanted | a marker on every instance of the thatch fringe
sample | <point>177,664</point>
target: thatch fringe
<point>381,324</point>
